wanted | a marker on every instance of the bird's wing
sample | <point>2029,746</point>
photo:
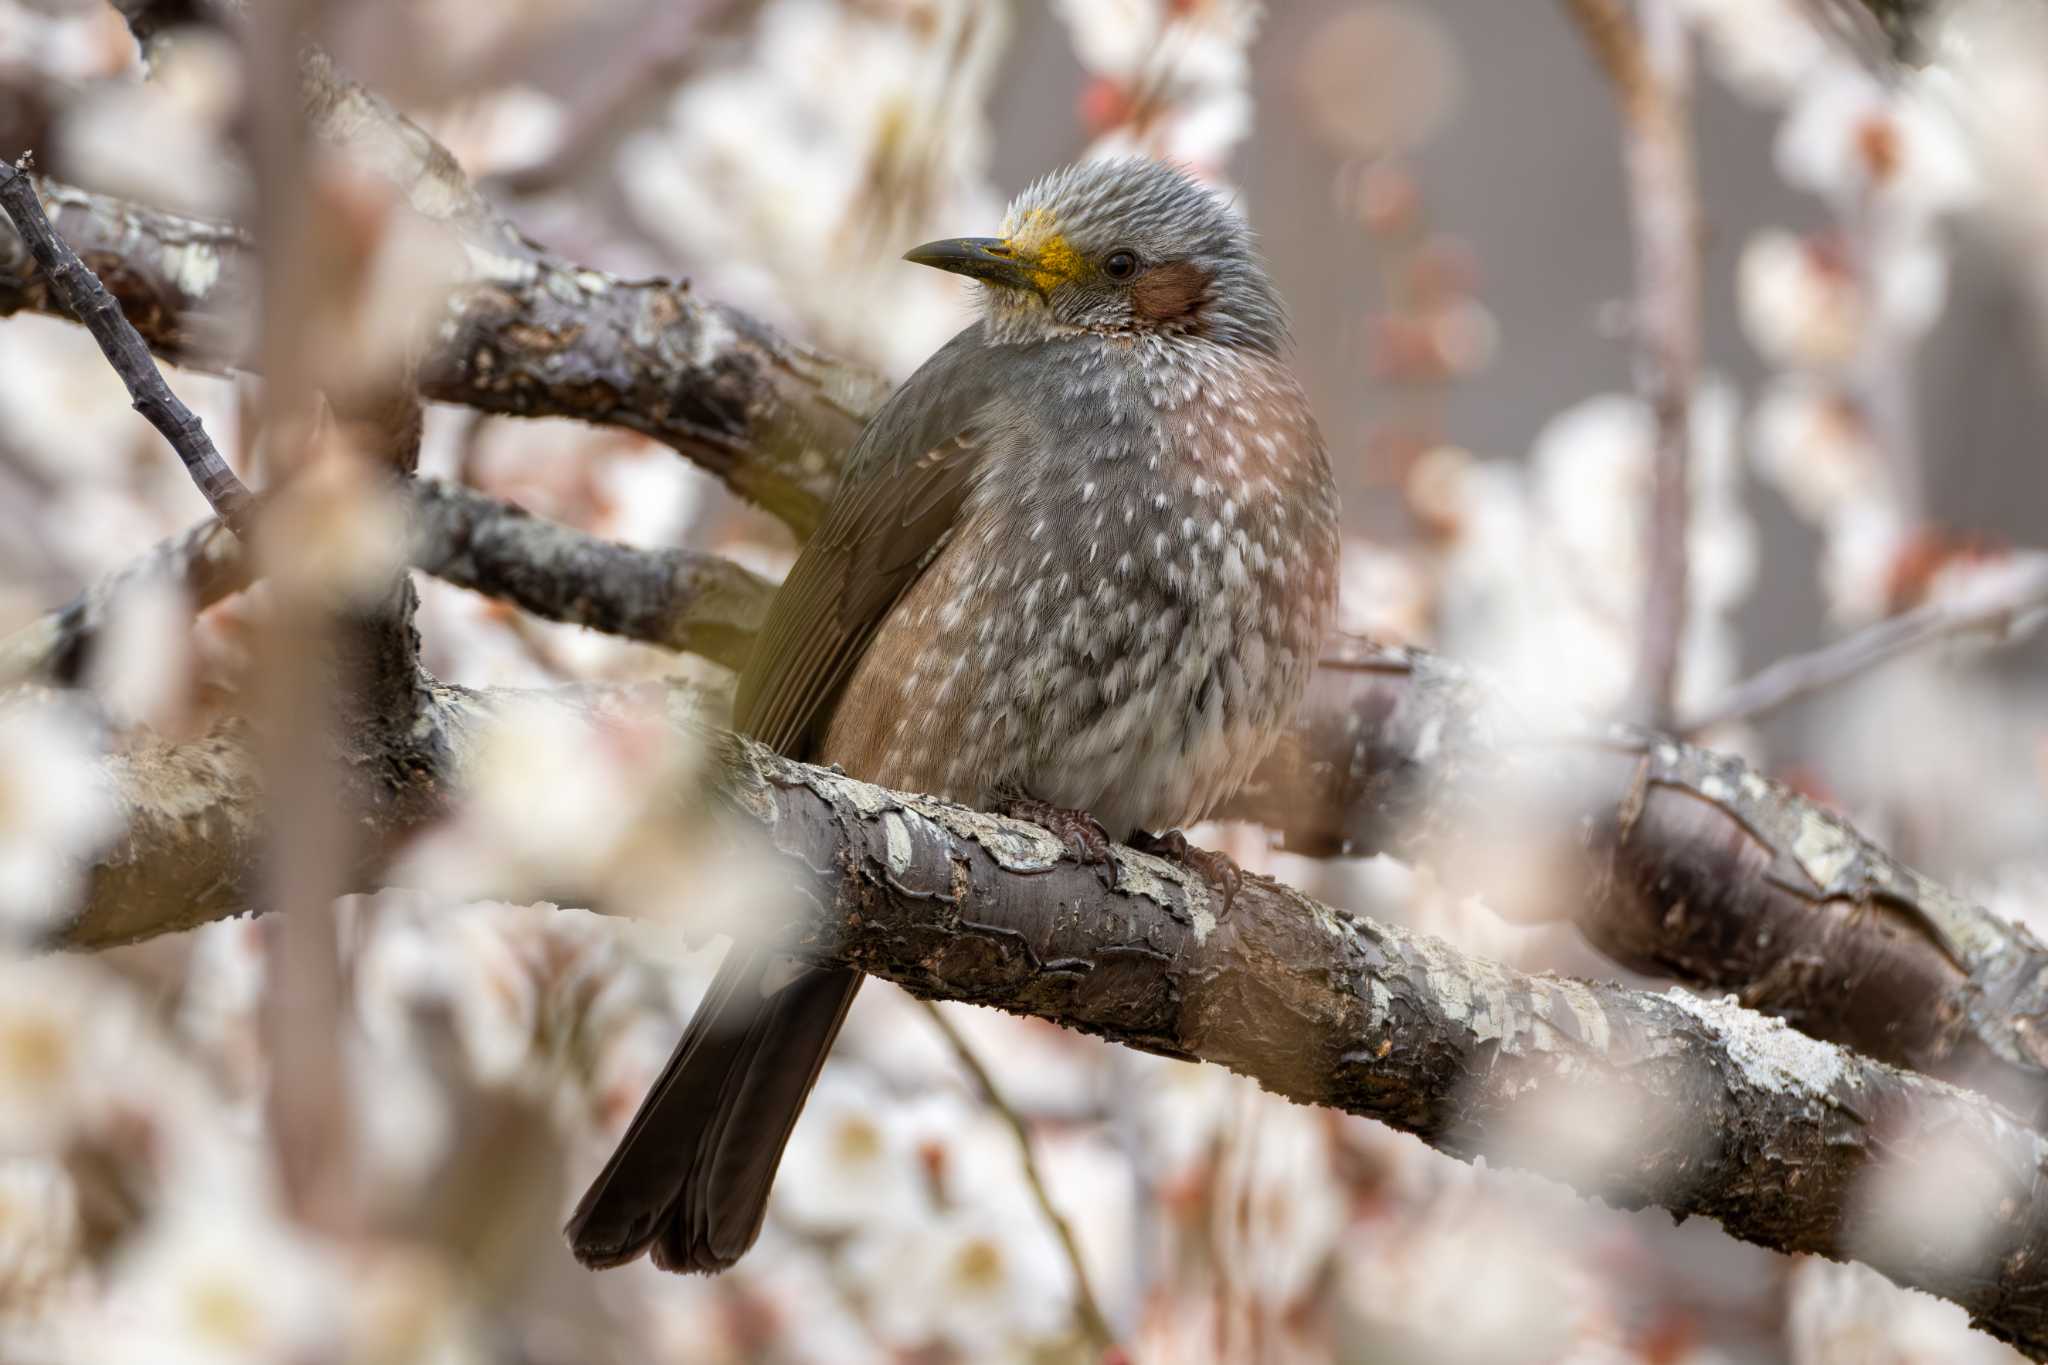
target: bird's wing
<point>898,501</point>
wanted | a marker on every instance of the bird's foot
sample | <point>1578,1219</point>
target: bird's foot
<point>1078,829</point>
<point>1220,870</point>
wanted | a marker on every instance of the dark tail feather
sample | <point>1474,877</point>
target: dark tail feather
<point>690,1178</point>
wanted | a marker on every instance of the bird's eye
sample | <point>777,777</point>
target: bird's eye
<point>1120,265</point>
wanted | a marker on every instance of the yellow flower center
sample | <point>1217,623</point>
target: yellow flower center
<point>979,1265</point>
<point>859,1141</point>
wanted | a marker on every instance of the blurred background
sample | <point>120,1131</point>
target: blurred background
<point>1439,186</point>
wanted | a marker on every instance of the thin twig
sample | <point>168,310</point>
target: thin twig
<point>1093,1325</point>
<point>1990,606</point>
<point>126,351</point>
<point>1647,63</point>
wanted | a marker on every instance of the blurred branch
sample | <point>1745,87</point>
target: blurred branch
<point>87,300</point>
<point>1646,60</point>
<point>523,333</point>
<point>1711,1110</point>
<point>1990,604</point>
<point>1672,860</point>
<point>683,600</point>
<point>1094,1326</point>
<point>206,561</point>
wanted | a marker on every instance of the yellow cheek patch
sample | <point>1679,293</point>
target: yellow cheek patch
<point>1051,259</point>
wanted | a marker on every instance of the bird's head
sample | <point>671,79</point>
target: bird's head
<point>1125,246</point>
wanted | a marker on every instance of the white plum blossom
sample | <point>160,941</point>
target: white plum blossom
<point>39,1236</point>
<point>853,1163</point>
<point>978,1279</point>
<point>1172,76</point>
<point>792,189</point>
<point>187,1293</point>
<point>1851,1315</point>
<point>57,811</point>
<point>141,668</point>
<point>1855,143</point>
<point>1765,49</point>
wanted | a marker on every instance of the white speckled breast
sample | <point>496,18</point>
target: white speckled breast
<point>1128,613</point>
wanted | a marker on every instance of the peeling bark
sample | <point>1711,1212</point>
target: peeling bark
<point>1672,860</point>
<point>1699,1107</point>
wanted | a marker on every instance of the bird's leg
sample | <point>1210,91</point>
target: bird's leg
<point>1220,870</point>
<point>1077,828</point>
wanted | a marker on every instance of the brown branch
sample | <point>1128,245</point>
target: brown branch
<point>1990,605</point>
<point>1647,64</point>
<point>523,333</point>
<point>1712,1111</point>
<point>678,599</point>
<point>1673,860</point>
<point>87,300</point>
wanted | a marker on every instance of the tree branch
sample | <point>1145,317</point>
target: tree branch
<point>1710,1110</point>
<point>88,301</point>
<point>524,333</point>
<point>1646,60</point>
<point>1672,860</point>
<point>678,599</point>
<point>1991,604</point>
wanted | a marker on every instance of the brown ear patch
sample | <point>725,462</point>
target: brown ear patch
<point>1170,291</point>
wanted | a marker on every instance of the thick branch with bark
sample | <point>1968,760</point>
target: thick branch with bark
<point>1677,861</point>
<point>524,333</point>
<point>1673,860</point>
<point>1710,1110</point>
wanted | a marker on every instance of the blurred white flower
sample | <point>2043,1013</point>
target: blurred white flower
<point>791,190</point>
<point>1851,1315</point>
<point>1811,445</point>
<point>56,811</point>
<point>1765,49</point>
<point>499,130</point>
<point>1801,300</point>
<point>569,798</point>
<point>225,1283</point>
<point>1279,1209</point>
<point>39,1233</point>
<point>1542,578</point>
<point>1857,143</point>
<point>162,140</point>
<point>1470,1278</point>
<point>1383,593</point>
<point>142,664</point>
<point>851,1163</point>
<point>1171,76</point>
<point>989,1282</point>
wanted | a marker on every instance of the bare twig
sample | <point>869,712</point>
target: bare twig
<point>89,302</point>
<point>1087,1310</point>
<point>1647,63</point>
<point>1989,605</point>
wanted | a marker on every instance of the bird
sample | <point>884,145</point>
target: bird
<point>1078,568</point>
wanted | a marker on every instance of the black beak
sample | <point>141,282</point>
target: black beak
<point>983,258</point>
